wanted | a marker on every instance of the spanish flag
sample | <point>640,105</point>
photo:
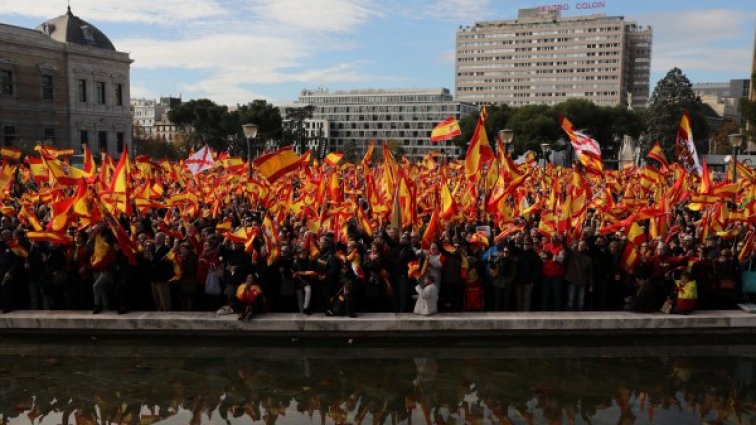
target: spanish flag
<point>474,157</point>
<point>333,158</point>
<point>656,153</point>
<point>445,130</point>
<point>10,153</point>
<point>277,164</point>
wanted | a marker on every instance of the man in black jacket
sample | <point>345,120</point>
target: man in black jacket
<point>528,275</point>
<point>398,258</point>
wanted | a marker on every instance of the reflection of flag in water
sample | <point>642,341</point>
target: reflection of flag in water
<point>685,149</point>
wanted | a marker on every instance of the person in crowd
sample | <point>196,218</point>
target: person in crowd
<point>643,298</point>
<point>427,296</point>
<point>502,267</point>
<point>529,268</point>
<point>251,298</point>
<point>686,294</point>
<point>553,256</point>
<point>578,275</point>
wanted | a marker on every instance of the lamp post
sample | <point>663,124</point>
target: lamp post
<point>506,135</point>
<point>250,132</point>
<point>736,141</point>
<point>546,148</point>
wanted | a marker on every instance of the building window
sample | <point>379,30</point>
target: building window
<point>119,94</point>
<point>6,82</point>
<point>84,137</point>
<point>83,91</point>
<point>102,141</point>
<point>49,136</point>
<point>101,92</point>
<point>9,135</point>
<point>47,87</point>
<point>119,141</point>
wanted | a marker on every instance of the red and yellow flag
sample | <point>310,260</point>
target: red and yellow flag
<point>277,164</point>
<point>657,154</point>
<point>445,130</point>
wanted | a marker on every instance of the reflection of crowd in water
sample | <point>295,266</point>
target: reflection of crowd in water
<point>84,391</point>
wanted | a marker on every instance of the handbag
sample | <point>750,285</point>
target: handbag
<point>749,278</point>
<point>213,284</point>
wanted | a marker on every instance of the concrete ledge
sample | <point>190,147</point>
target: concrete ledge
<point>379,324</point>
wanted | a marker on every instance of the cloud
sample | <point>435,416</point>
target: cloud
<point>139,92</point>
<point>457,11</point>
<point>163,12</point>
<point>699,59</point>
<point>697,26</point>
<point>700,41</point>
<point>230,63</point>
<point>316,15</point>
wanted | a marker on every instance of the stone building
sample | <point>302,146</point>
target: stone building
<point>63,83</point>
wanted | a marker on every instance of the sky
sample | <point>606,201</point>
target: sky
<point>235,51</point>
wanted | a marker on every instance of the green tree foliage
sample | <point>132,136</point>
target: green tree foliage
<point>532,126</point>
<point>673,95</point>
<point>156,149</point>
<point>748,112</point>
<point>294,133</point>
<point>537,124</point>
<point>205,122</point>
<point>268,120</point>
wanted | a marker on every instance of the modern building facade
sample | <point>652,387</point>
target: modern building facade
<point>723,99</point>
<point>151,118</point>
<point>353,118</point>
<point>64,84</point>
<point>544,58</point>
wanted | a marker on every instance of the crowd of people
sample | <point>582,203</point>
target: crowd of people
<point>199,269</point>
<point>392,236</point>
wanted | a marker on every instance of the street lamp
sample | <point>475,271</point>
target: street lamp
<point>546,148</point>
<point>250,132</point>
<point>506,135</point>
<point>736,141</point>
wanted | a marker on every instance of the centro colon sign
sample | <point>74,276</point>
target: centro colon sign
<point>583,5</point>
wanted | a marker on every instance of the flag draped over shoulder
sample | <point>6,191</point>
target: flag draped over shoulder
<point>277,164</point>
<point>201,160</point>
<point>685,149</point>
<point>445,130</point>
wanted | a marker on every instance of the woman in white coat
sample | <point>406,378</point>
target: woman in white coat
<point>427,297</point>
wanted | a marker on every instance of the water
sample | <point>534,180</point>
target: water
<point>241,380</point>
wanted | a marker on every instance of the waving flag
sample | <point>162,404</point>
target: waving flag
<point>656,153</point>
<point>445,130</point>
<point>587,149</point>
<point>200,161</point>
<point>685,149</point>
<point>277,164</point>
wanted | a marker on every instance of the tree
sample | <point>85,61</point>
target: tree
<point>534,125</point>
<point>268,120</point>
<point>672,96</point>
<point>498,117</point>
<point>719,143</point>
<point>203,121</point>
<point>295,131</point>
<point>396,147</point>
<point>155,148</point>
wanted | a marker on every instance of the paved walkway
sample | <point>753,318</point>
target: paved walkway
<point>380,324</point>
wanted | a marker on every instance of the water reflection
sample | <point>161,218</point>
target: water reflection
<point>145,384</point>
